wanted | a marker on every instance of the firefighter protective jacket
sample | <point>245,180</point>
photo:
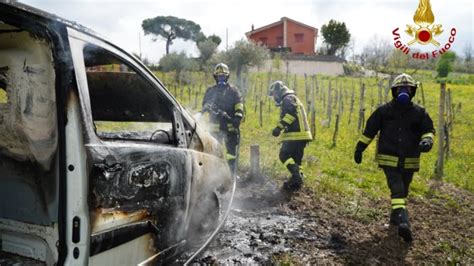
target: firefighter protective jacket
<point>401,129</point>
<point>225,98</point>
<point>293,119</point>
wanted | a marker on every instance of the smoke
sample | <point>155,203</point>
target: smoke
<point>198,117</point>
<point>203,121</point>
<point>212,195</point>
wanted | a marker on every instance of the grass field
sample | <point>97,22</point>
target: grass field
<point>330,168</point>
<point>357,195</point>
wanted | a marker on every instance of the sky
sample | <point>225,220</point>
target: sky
<point>120,21</point>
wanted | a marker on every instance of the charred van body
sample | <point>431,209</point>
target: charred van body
<point>99,164</point>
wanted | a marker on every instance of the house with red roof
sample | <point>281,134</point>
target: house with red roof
<point>286,35</point>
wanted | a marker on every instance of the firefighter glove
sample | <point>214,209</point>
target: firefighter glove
<point>358,156</point>
<point>426,144</point>
<point>276,132</point>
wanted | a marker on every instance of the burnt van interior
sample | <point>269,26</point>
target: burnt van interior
<point>28,145</point>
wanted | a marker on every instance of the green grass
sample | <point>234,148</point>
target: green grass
<point>331,169</point>
<point>3,95</point>
<point>359,191</point>
<point>118,126</point>
<point>454,253</point>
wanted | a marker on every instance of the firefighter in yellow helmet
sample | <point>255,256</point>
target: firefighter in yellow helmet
<point>226,110</point>
<point>406,130</point>
<point>296,133</point>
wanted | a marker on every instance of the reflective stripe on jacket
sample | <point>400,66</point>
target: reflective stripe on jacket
<point>401,129</point>
<point>293,119</point>
<point>228,99</point>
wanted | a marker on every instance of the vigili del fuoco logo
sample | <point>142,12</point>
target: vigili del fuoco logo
<point>425,32</point>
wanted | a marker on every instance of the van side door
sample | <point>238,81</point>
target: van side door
<point>139,173</point>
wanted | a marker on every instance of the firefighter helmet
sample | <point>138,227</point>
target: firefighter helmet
<point>404,80</point>
<point>221,73</point>
<point>277,90</point>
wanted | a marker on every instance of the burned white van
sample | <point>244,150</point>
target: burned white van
<point>99,164</point>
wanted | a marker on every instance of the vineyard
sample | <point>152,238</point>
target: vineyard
<point>337,109</point>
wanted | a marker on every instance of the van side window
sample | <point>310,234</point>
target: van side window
<point>125,106</point>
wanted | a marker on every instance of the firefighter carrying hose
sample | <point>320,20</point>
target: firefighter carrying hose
<point>406,130</point>
<point>226,111</point>
<point>296,133</point>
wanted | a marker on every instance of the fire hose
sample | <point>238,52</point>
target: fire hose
<point>208,241</point>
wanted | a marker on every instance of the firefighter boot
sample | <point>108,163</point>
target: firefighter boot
<point>296,180</point>
<point>404,229</point>
<point>395,216</point>
<point>301,178</point>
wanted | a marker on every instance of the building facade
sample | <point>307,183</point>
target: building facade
<point>286,35</point>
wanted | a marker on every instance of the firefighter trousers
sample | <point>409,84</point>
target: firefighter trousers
<point>398,181</point>
<point>231,141</point>
<point>291,153</point>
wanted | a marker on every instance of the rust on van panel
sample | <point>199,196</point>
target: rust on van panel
<point>104,219</point>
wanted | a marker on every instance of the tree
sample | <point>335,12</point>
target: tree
<point>215,39</point>
<point>207,49</point>
<point>362,58</point>
<point>416,64</point>
<point>466,63</point>
<point>178,63</point>
<point>352,49</point>
<point>378,53</point>
<point>335,35</point>
<point>170,28</point>
<point>445,64</point>
<point>468,52</point>
<point>398,61</point>
<point>245,54</point>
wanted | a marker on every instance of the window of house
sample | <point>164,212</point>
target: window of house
<point>299,37</point>
<point>263,40</point>
<point>125,105</point>
<point>279,41</point>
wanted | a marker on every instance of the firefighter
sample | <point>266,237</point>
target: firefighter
<point>226,110</point>
<point>406,130</point>
<point>296,133</point>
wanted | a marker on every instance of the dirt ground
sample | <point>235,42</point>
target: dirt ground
<point>266,226</point>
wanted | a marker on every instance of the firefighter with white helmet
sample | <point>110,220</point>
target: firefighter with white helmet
<point>296,133</point>
<point>226,111</point>
<point>405,130</point>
